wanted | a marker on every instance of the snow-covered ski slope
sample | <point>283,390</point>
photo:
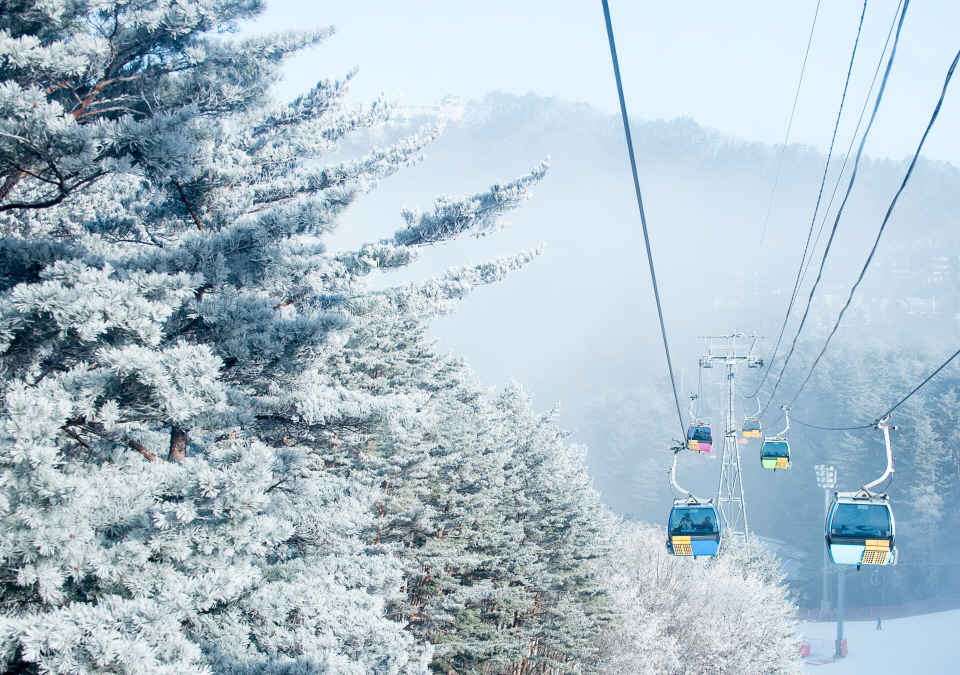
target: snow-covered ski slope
<point>918,644</point>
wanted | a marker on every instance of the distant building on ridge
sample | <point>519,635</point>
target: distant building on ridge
<point>447,108</point>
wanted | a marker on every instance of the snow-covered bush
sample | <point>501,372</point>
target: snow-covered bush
<point>679,616</point>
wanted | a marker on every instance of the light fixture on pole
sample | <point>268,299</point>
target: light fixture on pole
<point>826,476</point>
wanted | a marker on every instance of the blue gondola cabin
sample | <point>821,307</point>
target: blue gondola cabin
<point>694,529</point>
<point>860,530</point>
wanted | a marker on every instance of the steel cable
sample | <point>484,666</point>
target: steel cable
<point>886,219</point>
<point>643,217</point>
<point>890,411</point>
<point>783,150</point>
<point>853,178</point>
<point>853,138</point>
<point>816,209</point>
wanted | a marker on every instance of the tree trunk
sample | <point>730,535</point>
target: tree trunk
<point>178,444</point>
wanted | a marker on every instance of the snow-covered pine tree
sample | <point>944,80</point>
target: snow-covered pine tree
<point>624,429</point>
<point>503,536</point>
<point>168,321</point>
<point>501,532</point>
<point>92,89</point>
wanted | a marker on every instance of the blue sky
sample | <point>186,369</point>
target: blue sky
<point>733,66</point>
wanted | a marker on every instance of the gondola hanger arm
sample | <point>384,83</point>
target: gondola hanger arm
<point>786,412</point>
<point>881,424</point>
<point>673,471</point>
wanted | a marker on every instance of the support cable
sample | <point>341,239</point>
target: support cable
<point>843,166</point>
<point>816,209</point>
<point>783,150</point>
<point>891,410</point>
<point>886,219</point>
<point>814,426</point>
<point>853,138</point>
<point>643,217</point>
<point>917,388</point>
<point>853,178</point>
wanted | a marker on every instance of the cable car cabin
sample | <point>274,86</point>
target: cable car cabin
<point>751,428</point>
<point>699,438</point>
<point>860,530</point>
<point>694,528</point>
<point>775,453</point>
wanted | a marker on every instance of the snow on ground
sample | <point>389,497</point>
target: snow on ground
<point>918,644</point>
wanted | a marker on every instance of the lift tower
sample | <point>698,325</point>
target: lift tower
<point>731,350</point>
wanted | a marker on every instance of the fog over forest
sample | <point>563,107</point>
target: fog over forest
<point>578,325</point>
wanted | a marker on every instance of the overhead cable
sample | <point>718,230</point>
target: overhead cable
<point>853,138</point>
<point>917,388</point>
<point>891,410</point>
<point>853,178</point>
<point>783,149</point>
<point>816,209</point>
<point>643,217</point>
<point>814,426</point>
<point>886,219</point>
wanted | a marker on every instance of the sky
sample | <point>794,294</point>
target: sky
<point>732,66</point>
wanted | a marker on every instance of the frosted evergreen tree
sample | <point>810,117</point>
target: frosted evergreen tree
<point>168,324</point>
<point>501,533</point>
<point>625,430</point>
<point>92,89</point>
<point>503,537</point>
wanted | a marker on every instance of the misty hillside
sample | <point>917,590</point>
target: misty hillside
<point>578,325</point>
<point>706,196</point>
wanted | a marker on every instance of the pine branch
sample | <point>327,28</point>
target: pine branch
<point>75,436</point>
<point>346,424</point>
<point>53,201</point>
<point>47,371</point>
<point>98,430</point>
<point>186,201</point>
<point>65,189</point>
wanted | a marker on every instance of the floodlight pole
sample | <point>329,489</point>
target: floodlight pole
<point>731,350</point>
<point>825,603</point>
<point>840,590</point>
<point>826,479</point>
